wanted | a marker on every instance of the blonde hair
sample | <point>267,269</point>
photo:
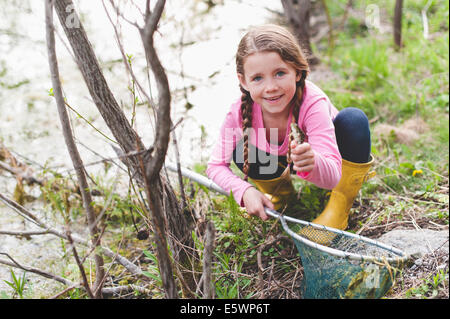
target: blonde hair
<point>269,38</point>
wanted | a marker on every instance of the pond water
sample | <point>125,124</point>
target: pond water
<point>29,121</point>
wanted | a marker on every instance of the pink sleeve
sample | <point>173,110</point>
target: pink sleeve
<point>319,128</point>
<point>219,163</point>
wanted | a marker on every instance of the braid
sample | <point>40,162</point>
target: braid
<point>300,88</point>
<point>246,111</point>
<point>296,109</point>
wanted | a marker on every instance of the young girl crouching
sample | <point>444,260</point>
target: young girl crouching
<point>255,134</point>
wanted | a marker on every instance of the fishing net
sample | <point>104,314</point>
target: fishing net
<point>339,264</point>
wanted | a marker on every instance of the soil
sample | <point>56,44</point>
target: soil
<point>413,277</point>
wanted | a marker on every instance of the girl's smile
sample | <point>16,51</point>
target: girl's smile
<point>270,81</point>
<point>274,99</point>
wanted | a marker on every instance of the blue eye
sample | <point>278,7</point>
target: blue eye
<point>257,78</point>
<point>280,73</point>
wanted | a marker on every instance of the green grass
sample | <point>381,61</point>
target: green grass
<point>392,84</point>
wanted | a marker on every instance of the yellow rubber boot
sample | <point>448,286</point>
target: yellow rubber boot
<point>279,190</point>
<point>342,196</point>
<point>336,212</point>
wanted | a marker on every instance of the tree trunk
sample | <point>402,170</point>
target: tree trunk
<point>398,24</point>
<point>298,14</point>
<point>148,174</point>
<point>74,154</point>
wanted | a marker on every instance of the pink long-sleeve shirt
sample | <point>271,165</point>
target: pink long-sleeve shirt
<point>315,120</point>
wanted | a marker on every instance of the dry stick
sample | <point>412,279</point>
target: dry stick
<point>155,163</point>
<point>20,174</point>
<point>208,288</point>
<point>70,143</point>
<point>180,177</point>
<point>152,188</point>
<point>132,268</point>
<point>105,290</point>
<point>425,19</point>
<point>23,233</point>
<point>345,16</point>
<point>124,58</point>
<point>26,214</point>
<point>125,289</point>
<point>183,282</point>
<point>163,124</point>
<point>260,273</point>
<point>163,114</point>
<point>174,135</point>
<point>59,294</point>
<point>372,217</point>
<point>15,264</point>
<point>110,266</point>
<point>137,82</point>
<point>135,270</point>
<point>80,265</point>
<point>260,266</point>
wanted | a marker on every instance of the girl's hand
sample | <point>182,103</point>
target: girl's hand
<point>255,201</point>
<point>302,157</point>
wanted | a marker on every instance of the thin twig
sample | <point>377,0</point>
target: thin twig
<point>20,174</point>
<point>59,294</point>
<point>22,211</point>
<point>68,137</point>
<point>71,285</point>
<point>24,233</point>
<point>80,265</point>
<point>208,289</point>
<point>42,273</point>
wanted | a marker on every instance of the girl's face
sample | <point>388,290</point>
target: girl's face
<point>270,81</point>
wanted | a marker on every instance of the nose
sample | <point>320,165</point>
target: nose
<point>271,85</point>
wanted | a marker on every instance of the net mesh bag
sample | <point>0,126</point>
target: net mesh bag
<point>341,265</point>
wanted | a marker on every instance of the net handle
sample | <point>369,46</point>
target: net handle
<point>213,186</point>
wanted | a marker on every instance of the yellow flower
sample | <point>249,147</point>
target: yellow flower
<point>417,172</point>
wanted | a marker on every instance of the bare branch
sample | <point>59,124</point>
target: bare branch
<point>20,174</point>
<point>71,285</point>
<point>119,13</point>
<point>97,86</point>
<point>80,265</point>
<point>152,188</point>
<point>23,233</point>
<point>64,291</point>
<point>70,143</point>
<point>126,289</point>
<point>208,287</point>
<point>22,211</point>
<point>14,263</point>
<point>152,18</point>
<point>145,169</point>
<point>163,123</point>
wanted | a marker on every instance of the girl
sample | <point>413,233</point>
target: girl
<point>272,74</point>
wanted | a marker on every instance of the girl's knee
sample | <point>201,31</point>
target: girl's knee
<point>351,117</point>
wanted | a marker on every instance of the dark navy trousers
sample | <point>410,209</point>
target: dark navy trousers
<point>353,135</point>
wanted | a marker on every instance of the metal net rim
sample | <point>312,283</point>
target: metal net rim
<point>402,256</point>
